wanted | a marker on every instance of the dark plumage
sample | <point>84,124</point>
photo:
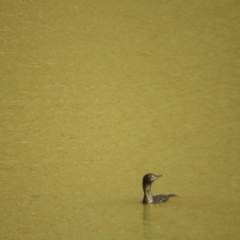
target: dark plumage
<point>147,181</point>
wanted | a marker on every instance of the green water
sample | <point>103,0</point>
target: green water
<point>94,95</point>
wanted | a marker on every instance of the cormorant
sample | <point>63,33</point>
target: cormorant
<point>148,198</point>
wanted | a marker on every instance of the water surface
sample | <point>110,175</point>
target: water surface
<point>93,96</point>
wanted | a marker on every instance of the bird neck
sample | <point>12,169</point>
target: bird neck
<point>147,198</point>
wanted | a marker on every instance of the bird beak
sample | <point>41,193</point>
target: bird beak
<point>156,177</point>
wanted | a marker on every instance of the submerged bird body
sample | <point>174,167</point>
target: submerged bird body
<point>148,198</point>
